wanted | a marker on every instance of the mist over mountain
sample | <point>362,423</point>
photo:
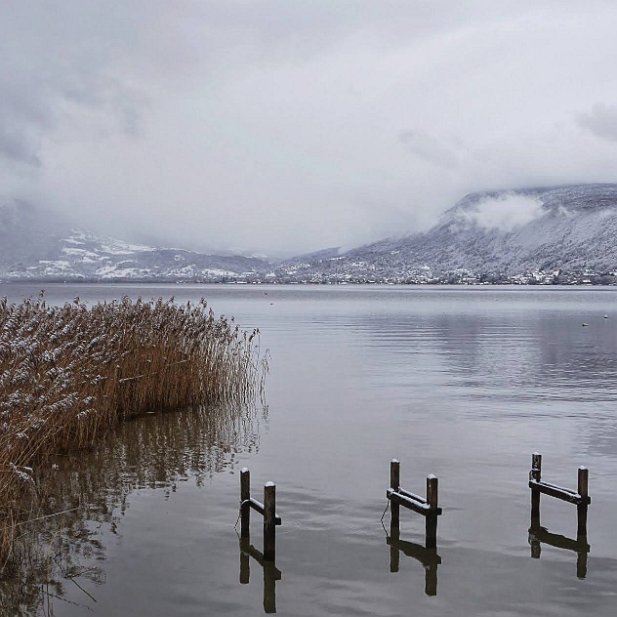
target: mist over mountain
<point>34,245</point>
<point>494,236</point>
<point>27,234</point>
<point>563,228</point>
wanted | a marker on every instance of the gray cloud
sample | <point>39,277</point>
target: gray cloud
<point>56,62</point>
<point>430,148</point>
<point>601,121</point>
<point>278,126</point>
<point>17,147</point>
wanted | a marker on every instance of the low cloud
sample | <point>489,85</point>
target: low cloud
<point>18,147</point>
<point>442,153</point>
<point>61,68</point>
<point>601,121</point>
<point>284,127</point>
<point>504,214</point>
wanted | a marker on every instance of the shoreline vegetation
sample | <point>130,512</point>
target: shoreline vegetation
<point>69,374</point>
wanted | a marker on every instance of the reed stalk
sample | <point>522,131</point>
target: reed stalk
<point>70,373</point>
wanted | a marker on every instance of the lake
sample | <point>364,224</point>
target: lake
<point>461,382</point>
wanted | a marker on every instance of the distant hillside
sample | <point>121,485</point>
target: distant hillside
<point>33,247</point>
<point>563,228</point>
<point>521,235</point>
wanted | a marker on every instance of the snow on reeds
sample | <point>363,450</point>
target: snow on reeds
<point>68,373</point>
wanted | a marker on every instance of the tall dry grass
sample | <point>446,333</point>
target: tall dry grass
<point>69,373</point>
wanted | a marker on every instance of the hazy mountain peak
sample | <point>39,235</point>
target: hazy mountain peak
<point>571,228</point>
<point>34,247</point>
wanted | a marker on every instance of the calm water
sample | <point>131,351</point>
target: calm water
<point>462,382</point>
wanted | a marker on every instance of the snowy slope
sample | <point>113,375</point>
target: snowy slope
<point>572,229</point>
<point>568,228</point>
<point>37,250</point>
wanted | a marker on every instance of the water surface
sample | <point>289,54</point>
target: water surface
<point>462,382</point>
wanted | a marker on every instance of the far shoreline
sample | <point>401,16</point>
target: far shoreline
<point>253,283</point>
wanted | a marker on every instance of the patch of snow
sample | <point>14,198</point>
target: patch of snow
<point>112,272</point>
<point>60,264</point>
<point>83,253</point>
<point>119,247</point>
<point>218,272</point>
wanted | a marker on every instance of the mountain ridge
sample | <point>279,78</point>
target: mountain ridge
<point>58,254</point>
<point>515,235</point>
<point>571,228</point>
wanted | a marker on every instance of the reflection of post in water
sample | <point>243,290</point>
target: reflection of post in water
<point>426,555</point>
<point>245,561</point>
<point>539,535</point>
<point>270,571</point>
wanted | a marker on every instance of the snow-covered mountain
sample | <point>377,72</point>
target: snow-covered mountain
<point>563,228</point>
<point>40,249</point>
<point>496,236</point>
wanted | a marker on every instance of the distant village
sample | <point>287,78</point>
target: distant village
<point>422,276</point>
<point>326,272</point>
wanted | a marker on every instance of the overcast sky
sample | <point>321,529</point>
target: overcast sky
<point>286,126</point>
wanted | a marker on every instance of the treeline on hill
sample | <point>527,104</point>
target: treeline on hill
<point>69,373</point>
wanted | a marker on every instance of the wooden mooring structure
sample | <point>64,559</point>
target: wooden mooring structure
<point>267,509</point>
<point>539,535</point>
<point>265,559</point>
<point>429,508</point>
<point>580,497</point>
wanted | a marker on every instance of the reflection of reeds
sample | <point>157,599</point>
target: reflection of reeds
<point>87,492</point>
<point>69,373</point>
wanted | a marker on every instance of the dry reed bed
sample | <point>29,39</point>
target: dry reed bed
<point>68,373</point>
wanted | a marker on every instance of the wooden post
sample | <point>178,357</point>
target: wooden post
<point>269,521</point>
<point>536,474</point>
<point>583,491</point>
<point>395,484</point>
<point>431,517</point>
<point>245,510</point>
